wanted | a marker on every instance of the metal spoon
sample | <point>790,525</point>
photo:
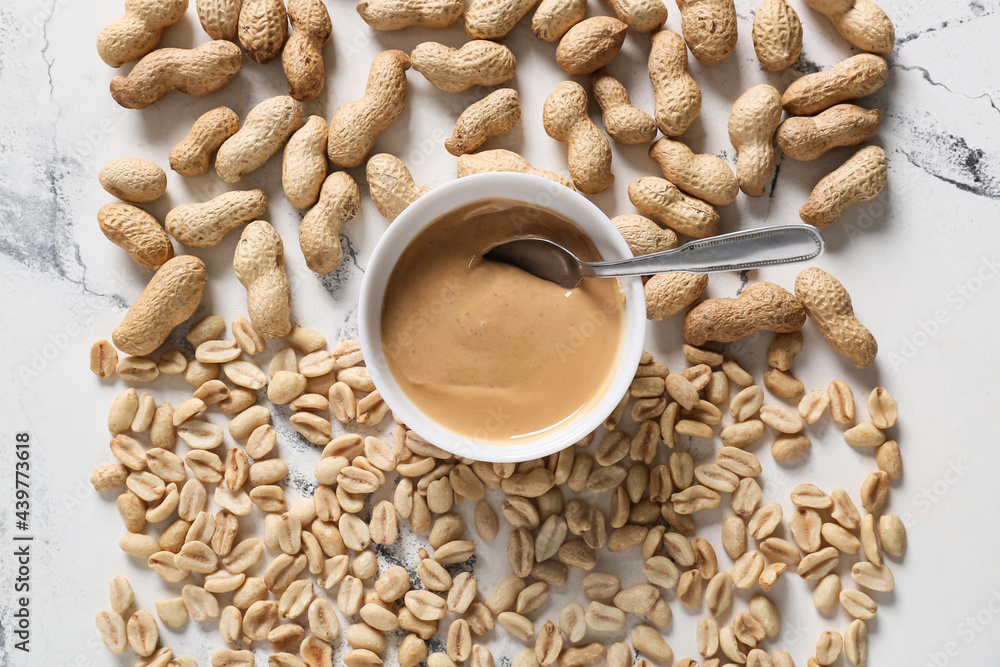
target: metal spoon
<point>738,251</point>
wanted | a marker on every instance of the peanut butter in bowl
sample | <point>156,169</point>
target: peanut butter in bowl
<point>486,350</point>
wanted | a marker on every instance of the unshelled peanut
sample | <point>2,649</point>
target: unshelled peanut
<point>196,72</point>
<point>205,225</point>
<point>761,306</point>
<point>565,119</point>
<point>357,124</point>
<point>136,232</point>
<point>193,155</point>
<point>319,233</point>
<point>259,263</point>
<point>677,96</point>
<point>706,177</point>
<point>266,129</point>
<point>263,27</point>
<point>139,31</point>
<point>302,57</point>
<point>861,178</point>
<point>829,306</point>
<point>777,35</point>
<point>626,123</point>
<point>391,185</point>
<point>809,137</point>
<point>861,22</point>
<point>752,123</point>
<point>858,76</point>
<point>495,114</point>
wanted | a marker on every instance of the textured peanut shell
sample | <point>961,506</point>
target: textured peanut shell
<point>761,306</point>
<point>706,177</point>
<point>709,28</point>
<point>565,119</point>
<point>809,137</point>
<point>493,19</point>
<point>501,159</point>
<point>626,123</point>
<point>677,96</point>
<point>497,113</point>
<point>861,178</point>
<point>861,22</point>
<point>133,180</point>
<point>259,263</point>
<point>477,63</point>
<point>664,202</point>
<point>590,45</point>
<point>303,165</point>
<point>219,18</point>
<point>399,14</point>
<point>554,18</point>
<point>193,155</point>
<point>777,35</point>
<point>203,225</point>
<point>136,232</point>
<point>266,129</point>
<point>858,76</point>
<point>172,296</point>
<point>644,236</point>
<point>829,306</point>
<point>753,121</point>
<point>319,233</point>
<point>391,185</point>
<point>196,72</point>
<point>357,124</point>
<point>640,15</point>
<point>139,31</point>
<point>669,293</point>
<point>263,27</point>
<point>302,57</point>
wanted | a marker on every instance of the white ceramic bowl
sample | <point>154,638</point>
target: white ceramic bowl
<point>532,190</point>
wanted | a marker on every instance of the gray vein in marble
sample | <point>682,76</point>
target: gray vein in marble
<point>929,79</point>
<point>978,11</point>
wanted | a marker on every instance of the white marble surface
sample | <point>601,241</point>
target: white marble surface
<point>920,261</point>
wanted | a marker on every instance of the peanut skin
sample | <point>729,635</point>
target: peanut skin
<point>661,200</point>
<point>669,293</point>
<point>761,306</point>
<point>139,31</point>
<point>266,129</point>
<point>137,233</point>
<point>625,123</point>
<point>497,113</point>
<point>477,63</point>
<point>357,124</point>
<point>134,180</point>
<point>391,185</point>
<point>858,76</point>
<point>196,72</point>
<point>590,45</point>
<point>263,27</point>
<point>319,233</point>
<point>644,236</point>
<point>172,296</point>
<point>303,165</point>
<point>861,178</point>
<point>860,22</point>
<point>203,225</point>
<point>259,263</point>
<point>399,14</point>
<point>219,18</point>
<point>709,28</point>
<point>777,35</point>
<point>678,98</point>
<point>302,57</point>
<point>565,119</point>
<point>706,177</point>
<point>752,123</point>
<point>829,306</point>
<point>504,160</point>
<point>193,155</point>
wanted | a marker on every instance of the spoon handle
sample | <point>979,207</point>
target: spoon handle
<point>737,251</point>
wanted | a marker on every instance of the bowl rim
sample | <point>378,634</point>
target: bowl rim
<point>534,191</point>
